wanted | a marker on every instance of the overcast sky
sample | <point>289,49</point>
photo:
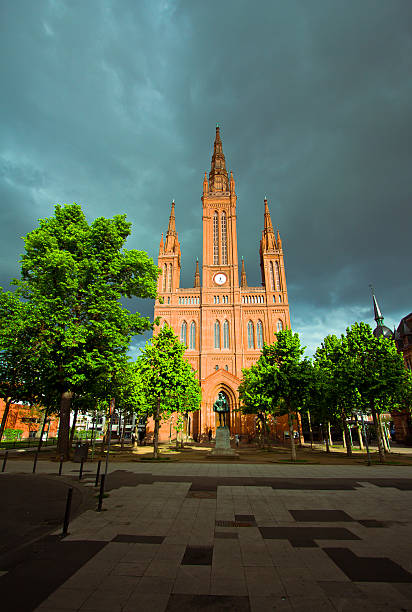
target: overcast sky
<point>113,104</point>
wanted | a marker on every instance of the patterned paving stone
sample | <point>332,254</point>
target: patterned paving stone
<point>306,536</point>
<point>321,516</point>
<point>198,555</point>
<point>138,539</point>
<point>368,569</point>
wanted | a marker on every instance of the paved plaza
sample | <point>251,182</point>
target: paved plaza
<point>199,536</point>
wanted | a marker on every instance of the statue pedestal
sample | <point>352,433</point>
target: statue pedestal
<point>222,446</point>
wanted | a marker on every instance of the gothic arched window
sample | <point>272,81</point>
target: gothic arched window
<point>192,339</point>
<point>217,335</point>
<point>169,278</point>
<point>224,238</point>
<point>164,276</point>
<point>216,238</point>
<point>164,324</point>
<point>277,276</point>
<point>183,333</point>
<point>279,325</point>
<point>259,334</point>
<point>272,277</point>
<point>250,336</point>
<point>226,335</point>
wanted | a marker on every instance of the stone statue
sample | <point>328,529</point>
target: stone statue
<point>221,407</point>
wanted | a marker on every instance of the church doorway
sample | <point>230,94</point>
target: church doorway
<point>221,408</point>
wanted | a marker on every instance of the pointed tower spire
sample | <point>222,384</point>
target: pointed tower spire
<point>376,310</point>
<point>171,236</point>
<point>205,185</point>
<point>243,281</point>
<point>218,178</point>
<point>278,240</point>
<point>232,183</point>
<point>197,274</point>
<point>268,236</point>
<point>161,246</point>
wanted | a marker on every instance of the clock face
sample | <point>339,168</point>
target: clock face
<point>220,278</point>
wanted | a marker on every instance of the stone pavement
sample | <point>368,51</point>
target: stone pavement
<point>181,536</point>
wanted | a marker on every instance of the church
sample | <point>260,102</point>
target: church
<point>222,321</point>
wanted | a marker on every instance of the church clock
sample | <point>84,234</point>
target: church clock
<point>220,278</point>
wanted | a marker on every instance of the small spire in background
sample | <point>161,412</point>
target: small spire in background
<point>243,281</point>
<point>197,274</point>
<point>205,184</point>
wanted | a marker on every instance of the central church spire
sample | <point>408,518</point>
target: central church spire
<point>218,177</point>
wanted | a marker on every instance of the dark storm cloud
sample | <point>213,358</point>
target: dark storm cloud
<point>112,104</point>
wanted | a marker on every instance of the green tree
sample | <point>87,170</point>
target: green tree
<point>254,398</point>
<point>75,274</point>
<point>17,378</point>
<point>375,371</point>
<point>337,397</point>
<point>169,383</point>
<point>281,379</point>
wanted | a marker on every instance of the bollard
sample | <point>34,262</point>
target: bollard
<point>35,462</point>
<point>99,505</point>
<point>67,512</point>
<point>96,484</point>
<point>81,468</point>
<point>6,454</point>
<point>61,465</point>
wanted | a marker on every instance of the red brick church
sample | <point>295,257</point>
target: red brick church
<point>222,321</point>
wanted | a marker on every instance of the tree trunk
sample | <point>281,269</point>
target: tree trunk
<point>358,426</point>
<point>42,430</point>
<point>5,415</point>
<point>156,431</point>
<point>329,434</point>
<point>299,428</point>
<point>366,441</point>
<point>325,434</point>
<point>347,437</point>
<point>384,435</point>
<point>264,430</point>
<point>73,429</point>
<point>378,432</point>
<point>310,430</point>
<point>63,442</point>
<point>292,442</point>
<point>343,436</point>
<point>123,432</point>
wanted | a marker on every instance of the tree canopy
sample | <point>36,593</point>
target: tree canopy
<point>73,276</point>
<point>280,379</point>
<point>169,383</point>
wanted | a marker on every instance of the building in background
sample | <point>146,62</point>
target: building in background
<point>403,339</point>
<point>222,321</point>
<point>24,421</point>
<point>402,424</point>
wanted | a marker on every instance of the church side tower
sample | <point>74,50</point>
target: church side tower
<point>169,260</point>
<point>273,271</point>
